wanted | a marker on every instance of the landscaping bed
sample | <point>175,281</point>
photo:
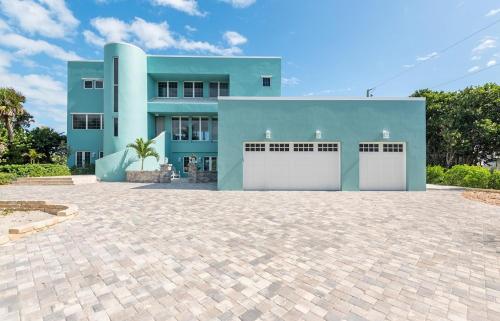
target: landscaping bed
<point>488,197</point>
<point>11,219</point>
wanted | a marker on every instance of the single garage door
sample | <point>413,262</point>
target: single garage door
<point>382,167</point>
<point>291,166</point>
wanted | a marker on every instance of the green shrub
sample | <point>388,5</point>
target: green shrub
<point>495,179</point>
<point>468,176</point>
<point>36,170</point>
<point>435,174</point>
<point>89,170</point>
<point>6,178</point>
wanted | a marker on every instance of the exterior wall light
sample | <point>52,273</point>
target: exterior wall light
<point>386,134</point>
<point>318,134</point>
<point>268,134</point>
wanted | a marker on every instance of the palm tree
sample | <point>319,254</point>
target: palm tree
<point>11,108</point>
<point>144,150</point>
<point>33,155</point>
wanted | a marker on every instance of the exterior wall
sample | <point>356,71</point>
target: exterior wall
<point>346,121</point>
<point>132,100</point>
<point>82,100</point>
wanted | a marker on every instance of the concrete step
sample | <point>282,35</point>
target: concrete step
<point>56,180</point>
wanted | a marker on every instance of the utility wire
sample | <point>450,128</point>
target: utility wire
<point>399,74</point>
<point>464,76</point>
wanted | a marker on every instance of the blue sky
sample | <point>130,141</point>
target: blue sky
<point>329,47</point>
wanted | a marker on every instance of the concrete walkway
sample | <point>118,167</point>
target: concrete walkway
<point>146,252</point>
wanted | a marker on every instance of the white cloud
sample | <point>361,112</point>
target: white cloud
<point>190,28</point>
<point>485,44</point>
<point>30,47</point>
<point>493,12</point>
<point>409,66</point>
<point>292,81</point>
<point>149,35</point>
<point>234,39</point>
<point>5,59</point>
<point>475,58</point>
<point>491,63</point>
<point>3,25</point>
<point>473,69</point>
<point>187,6</point>
<point>49,18</point>
<point>427,57</point>
<point>239,3</point>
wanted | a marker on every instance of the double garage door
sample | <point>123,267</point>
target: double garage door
<point>316,166</point>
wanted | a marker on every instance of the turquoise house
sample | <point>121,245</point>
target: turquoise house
<point>229,113</point>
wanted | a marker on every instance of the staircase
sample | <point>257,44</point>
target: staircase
<point>56,180</point>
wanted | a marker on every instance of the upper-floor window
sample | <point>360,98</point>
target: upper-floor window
<point>266,81</point>
<point>219,89</point>
<point>115,84</point>
<point>88,84</point>
<point>167,89</point>
<point>99,84</point>
<point>92,83</point>
<point>193,89</point>
<point>88,121</point>
<point>115,126</point>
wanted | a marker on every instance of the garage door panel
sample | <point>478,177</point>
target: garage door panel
<point>382,166</point>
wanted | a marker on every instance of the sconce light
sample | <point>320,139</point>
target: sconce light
<point>268,134</point>
<point>386,134</point>
<point>318,134</point>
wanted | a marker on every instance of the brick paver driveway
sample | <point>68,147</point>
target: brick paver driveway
<point>138,253</point>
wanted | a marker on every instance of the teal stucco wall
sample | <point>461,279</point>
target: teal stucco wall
<point>348,121</point>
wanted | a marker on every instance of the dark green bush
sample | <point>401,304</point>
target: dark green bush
<point>36,170</point>
<point>435,174</point>
<point>495,180</point>
<point>468,176</point>
<point>6,178</point>
<point>89,170</point>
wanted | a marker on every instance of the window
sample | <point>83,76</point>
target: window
<point>219,89</point>
<point>82,159</point>
<point>94,121</point>
<point>303,147</point>
<point>88,84</point>
<point>167,89</point>
<point>101,154</point>
<point>79,121</point>
<point>328,147</point>
<point>266,81</point>
<point>199,126</point>
<point>209,163</point>
<point>180,128</point>
<point>215,129</point>
<point>279,147</point>
<point>99,84</point>
<point>368,148</point>
<point>185,165</point>
<point>115,126</point>
<point>255,147</point>
<point>393,148</point>
<point>193,89</point>
<point>115,85</point>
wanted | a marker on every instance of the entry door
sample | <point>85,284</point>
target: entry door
<point>382,166</point>
<point>159,125</point>
<point>291,166</point>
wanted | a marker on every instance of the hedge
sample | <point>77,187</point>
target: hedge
<point>89,170</point>
<point>7,178</point>
<point>36,170</point>
<point>464,175</point>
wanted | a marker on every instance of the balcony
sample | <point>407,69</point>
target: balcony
<point>161,105</point>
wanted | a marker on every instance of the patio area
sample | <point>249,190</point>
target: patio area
<point>188,252</point>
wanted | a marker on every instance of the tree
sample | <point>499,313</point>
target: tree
<point>46,141</point>
<point>33,155</point>
<point>144,150</point>
<point>11,110</point>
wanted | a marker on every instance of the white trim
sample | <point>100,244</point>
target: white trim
<point>92,78</point>
<point>331,98</point>
<point>123,43</point>
<point>216,57</point>
<point>84,81</point>
<point>266,76</point>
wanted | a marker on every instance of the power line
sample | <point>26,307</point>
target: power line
<point>399,74</point>
<point>464,76</point>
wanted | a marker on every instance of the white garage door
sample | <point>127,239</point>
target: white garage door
<point>382,167</point>
<point>291,166</point>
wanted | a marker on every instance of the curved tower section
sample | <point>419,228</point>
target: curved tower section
<point>125,96</point>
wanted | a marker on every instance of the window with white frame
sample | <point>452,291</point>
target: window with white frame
<point>219,89</point>
<point>255,147</point>
<point>87,121</point>
<point>392,148</point>
<point>368,148</point>
<point>303,147</point>
<point>82,159</point>
<point>180,128</point>
<point>193,89</point>
<point>328,147</point>
<point>167,89</point>
<point>88,84</point>
<point>199,128</point>
<point>210,163</point>
<point>266,81</point>
<point>185,164</point>
<point>99,84</point>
